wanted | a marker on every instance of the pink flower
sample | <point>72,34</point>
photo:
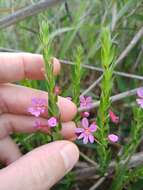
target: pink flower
<point>86,133</point>
<point>113,117</point>
<point>113,138</point>
<point>86,102</point>
<point>52,122</point>
<point>140,99</point>
<point>57,90</point>
<point>38,106</point>
<point>85,114</point>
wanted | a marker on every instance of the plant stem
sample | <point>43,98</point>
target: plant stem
<point>46,42</point>
<point>107,56</point>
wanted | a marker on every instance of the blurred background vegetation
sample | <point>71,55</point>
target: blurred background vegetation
<point>74,23</point>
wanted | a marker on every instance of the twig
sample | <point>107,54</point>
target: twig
<point>82,174</point>
<point>130,46</point>
<point>92,86</point>
<point>98,183</point>
<point>87,66</point>
<point>2,49</point>
<point>138,58</point>
<point>71,20</point>
<point>112,98</point>
<point>7,10</point>
<point>88,159</point>
<point>26,12</point>
<point>132,43</point>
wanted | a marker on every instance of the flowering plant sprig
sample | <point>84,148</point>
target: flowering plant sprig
<point>123,175</point>
<point>48,59</point>
<point>107,59</point>
<point>53,111</point>
<point>76,76</point>
<point>84,131</point>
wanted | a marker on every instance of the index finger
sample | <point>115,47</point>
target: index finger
<point>18,66</point>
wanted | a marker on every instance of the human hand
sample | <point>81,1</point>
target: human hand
<point>41,168</point>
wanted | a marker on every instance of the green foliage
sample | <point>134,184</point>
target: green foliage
<point>135,135</point>
<point>122,173</point>
<point>67,182</point>
<point>76,76</point>
<point>88,18</point>
<point>50,78</point>
<point>107,58</point>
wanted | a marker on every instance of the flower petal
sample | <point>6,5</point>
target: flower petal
<point>81,136</point>
<point>93,127</point>
<point>113,117</point>
<point>140,102</point>
<point>82,99</point>
<point>52,122</point>
<point>34,101</point>
<point>85,140</point>
<point>84,122</point>
<point>113,138</point>
<point>91,138</point>
<point>79,130</point>
<point>89,99</point>
<point>85,114</point>
<point>140,92</point>
<point>34,112</point>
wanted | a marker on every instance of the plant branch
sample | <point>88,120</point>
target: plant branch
<point>88,172</point>
<point>88,159</point>
<point>98,183</point>
<point>71,20</point>
<point>130,46</point>
<point>87,66</point>
<point>26,12</point>
<point>113,98</point>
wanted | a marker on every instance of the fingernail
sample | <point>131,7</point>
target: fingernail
<point>70,155</point>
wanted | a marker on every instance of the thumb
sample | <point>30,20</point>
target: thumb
<point>41,168</point>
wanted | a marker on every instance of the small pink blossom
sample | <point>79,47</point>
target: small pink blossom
<point>86,132</point>
<point>38,106</point>
<point>85,114</point>
<point>140,99</point>
<point>52,122</point>
<point>86,102</point>
<point>113,138</point>
<point>113,117</point>
<point>57,90</point>
<point>140,92</point>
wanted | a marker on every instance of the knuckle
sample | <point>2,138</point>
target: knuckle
<point>5,125</point>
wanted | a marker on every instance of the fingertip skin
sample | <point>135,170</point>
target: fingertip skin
<point>68,130</point>
<point>18,66</point>
<point>68,109</point>
<point>41,168</point>
<point>57,66</point>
